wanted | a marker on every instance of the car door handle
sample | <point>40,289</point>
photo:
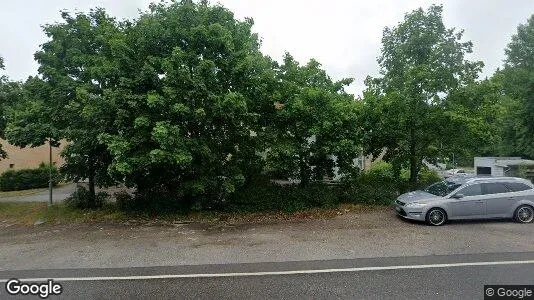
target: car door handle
<point>479,201</point>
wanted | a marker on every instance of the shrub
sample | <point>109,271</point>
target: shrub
<point>263,195</point>
<point>377,186</point>
<point>155,200</point>
<point>124,201</point>
<point>80,199</point>
<point>15,180</point>
<point>380,171</point>
<point>427,177</point>
<point>370,188</point>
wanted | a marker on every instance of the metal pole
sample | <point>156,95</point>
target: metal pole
<point>50,174</point>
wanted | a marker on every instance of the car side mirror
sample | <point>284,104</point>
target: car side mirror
<point>457,196</point>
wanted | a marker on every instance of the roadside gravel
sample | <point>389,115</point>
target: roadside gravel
<point>351,235</point>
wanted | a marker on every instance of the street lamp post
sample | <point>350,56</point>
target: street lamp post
<point>50,173</point>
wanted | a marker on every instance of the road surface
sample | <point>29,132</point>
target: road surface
<point>372,255</point>
<point>59,194</point>
<point>428,277</point>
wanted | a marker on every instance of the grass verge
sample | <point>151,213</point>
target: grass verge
<point>34,213</point>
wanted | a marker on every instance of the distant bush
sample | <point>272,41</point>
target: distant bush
<point>80,199</point>
<point>25,179</point>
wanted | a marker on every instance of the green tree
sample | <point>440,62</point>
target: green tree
<point>316,126</point>
<point>10,94</point>
<point>77,67</point>
<point>188,107</point>
<point>519,84</point>
<point>421,63</point>
<point>481,112</point>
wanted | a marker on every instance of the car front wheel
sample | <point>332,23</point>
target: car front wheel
<point>524,214</point>
<point>436,217</point>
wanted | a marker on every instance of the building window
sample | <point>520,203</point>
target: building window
<point>11,166</point>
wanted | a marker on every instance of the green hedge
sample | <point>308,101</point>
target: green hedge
<point>25,179</point>
<point>375,187</point>
<point>267,196</point>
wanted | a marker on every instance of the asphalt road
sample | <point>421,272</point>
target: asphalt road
<point>427,277</point>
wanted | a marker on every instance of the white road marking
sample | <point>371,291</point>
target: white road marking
<point>295,272</point>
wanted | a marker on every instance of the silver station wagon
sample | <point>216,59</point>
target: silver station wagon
<point>464,197</point>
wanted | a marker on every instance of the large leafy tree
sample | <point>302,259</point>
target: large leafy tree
<point>10,94</point>
<point>188,105</point>
<point>77,66</point>
<point>316,127</point>
<point>421,63</point>
<point>519,84</point>
<point>481,112</point>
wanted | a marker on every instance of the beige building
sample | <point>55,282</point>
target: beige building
<point>28,158</point>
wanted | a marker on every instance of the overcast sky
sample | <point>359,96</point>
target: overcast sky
<point>344,35</point>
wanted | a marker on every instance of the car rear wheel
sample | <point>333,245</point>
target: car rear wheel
<point>436,217</point>
<point>524,214</point>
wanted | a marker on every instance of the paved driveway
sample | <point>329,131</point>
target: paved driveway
<point>59,194</point>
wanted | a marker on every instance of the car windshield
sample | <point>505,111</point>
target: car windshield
<point>442,188</point>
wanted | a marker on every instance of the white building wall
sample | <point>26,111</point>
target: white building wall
<point>497,171</point>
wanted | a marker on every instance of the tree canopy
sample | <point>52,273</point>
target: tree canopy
<point>77,66</point>
<point>316,126</point>
<point>421,63</point>
<point>181,104</point>
<point>192,89</point>
<point>519,84</point>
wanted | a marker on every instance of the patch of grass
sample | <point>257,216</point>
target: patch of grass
<point>21,213</point>
<point>29,213</point>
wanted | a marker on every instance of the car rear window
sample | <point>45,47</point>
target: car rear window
<point>517,186</point>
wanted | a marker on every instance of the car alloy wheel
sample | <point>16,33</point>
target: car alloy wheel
<point>524,214</point>
<point>436,217</point>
